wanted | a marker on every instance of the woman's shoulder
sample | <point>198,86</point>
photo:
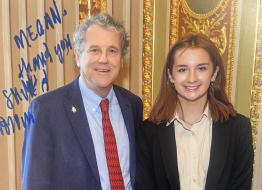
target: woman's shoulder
<point>238,123</point>
<point>148,128</point>
<point>149,123</point>
<point>236,119</point>
<point>152,125</point>
<point>239,119</point>
<point>151,128</point>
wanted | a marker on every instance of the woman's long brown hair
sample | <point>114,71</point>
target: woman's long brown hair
<point>167,100</point>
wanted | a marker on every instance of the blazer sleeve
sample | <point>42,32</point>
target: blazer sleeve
<point>145,172</point>
<point>244,157</point>
<point>37,151</point>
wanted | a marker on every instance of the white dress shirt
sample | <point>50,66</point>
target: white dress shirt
<point>193,151</point>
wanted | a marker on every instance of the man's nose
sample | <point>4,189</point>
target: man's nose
<point>103,57</point>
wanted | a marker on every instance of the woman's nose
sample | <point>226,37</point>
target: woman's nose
<point>192,76</point>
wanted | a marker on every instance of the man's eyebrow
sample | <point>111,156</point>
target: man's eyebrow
<point>202,64</point>
<point>92,46</point>
<point>112,46</point>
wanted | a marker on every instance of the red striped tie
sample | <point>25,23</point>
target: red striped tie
<point>114,170</point>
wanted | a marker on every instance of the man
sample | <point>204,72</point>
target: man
<point>65,147</point>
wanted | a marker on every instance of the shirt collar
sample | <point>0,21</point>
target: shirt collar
<point>206,113</point>
<point>92,99</point>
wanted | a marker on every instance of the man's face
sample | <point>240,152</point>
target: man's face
<point>101,60</point>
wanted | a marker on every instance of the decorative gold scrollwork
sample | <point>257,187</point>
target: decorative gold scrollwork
<point>174,21</point>
<point>98,6</point>
<point>90,7</point>
<point>256,90</point>
<point>147,57</point>
<point>83,10</point>
<point>212,27</point>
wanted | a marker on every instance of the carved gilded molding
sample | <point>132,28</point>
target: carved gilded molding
<point>257,80</point>
<point>83,10</point>
<point>218,24</point>
<point>174,21</point>
<point>211,23</point>
<point>90,7</point>
<point>147,56</point>
<point>98,6</point>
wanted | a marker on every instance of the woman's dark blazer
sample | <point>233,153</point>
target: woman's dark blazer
<point>231,157</point>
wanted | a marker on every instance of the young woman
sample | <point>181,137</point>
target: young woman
<point>194,139</point>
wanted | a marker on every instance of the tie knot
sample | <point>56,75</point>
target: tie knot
<point>104,105</point>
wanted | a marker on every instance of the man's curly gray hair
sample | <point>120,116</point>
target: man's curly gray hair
<point>106,21</point>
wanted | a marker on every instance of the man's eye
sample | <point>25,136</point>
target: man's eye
<point>93,50</point>
<point>113,51</point>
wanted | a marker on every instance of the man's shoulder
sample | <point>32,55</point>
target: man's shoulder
<point>126,93</point>
<point>56,95</point>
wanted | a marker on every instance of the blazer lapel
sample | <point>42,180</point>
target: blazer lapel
<point>127,113</point>
<point>76,113</point>
<point>218,154</point>
<point>167,141</point>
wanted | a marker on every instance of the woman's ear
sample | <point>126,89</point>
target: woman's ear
<point>170,76</point>
<point>213,78</point>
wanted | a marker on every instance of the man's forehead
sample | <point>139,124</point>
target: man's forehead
<point>95,27</point>
<point>102,37</point>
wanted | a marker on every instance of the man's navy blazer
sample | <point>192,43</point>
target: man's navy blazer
<point>58,151</point>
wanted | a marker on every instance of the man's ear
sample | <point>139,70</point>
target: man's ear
<point>213,78</point>
<point>77,58</point>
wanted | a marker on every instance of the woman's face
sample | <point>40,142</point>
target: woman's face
<point>192,73</point>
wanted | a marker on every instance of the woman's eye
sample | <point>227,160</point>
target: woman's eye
<point>202,68</point>
<point>180,70</point>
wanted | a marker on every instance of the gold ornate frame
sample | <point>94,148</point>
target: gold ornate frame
<point>256,90</point>
<point>89,7</point>
<point>147,56</point>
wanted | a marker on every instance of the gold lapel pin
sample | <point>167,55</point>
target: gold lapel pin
<point>74,110</point>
